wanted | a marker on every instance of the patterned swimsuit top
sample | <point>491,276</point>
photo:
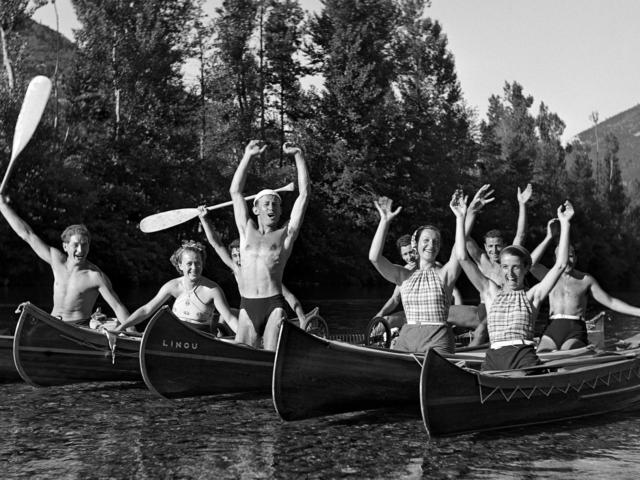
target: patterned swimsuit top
<point>189,308</point>
<point>510,317</point>
<point>424,298</point>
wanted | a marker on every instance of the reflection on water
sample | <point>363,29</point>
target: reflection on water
<point>120,430</point>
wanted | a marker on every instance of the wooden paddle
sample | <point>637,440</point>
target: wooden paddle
<point>171,218</point>
<point>32,107</point>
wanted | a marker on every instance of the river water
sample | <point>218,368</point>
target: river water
<point>121,430</point>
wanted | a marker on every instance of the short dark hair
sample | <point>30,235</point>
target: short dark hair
<point>403,241</point>
<point>517,251</point>
<point>494,234</point>
<point>71,230</point>
<point>234,244</point>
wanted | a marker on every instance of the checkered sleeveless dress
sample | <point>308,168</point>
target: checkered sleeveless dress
<point>510,317</point>
<point>424,298</point>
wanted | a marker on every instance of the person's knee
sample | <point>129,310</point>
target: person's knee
<point>572,343</point>
<point>547,344</point>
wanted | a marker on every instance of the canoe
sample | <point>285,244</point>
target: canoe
<point>314,377</point>
<point>48,351</point>
<point>457,400</point>
<point>177,360</point>
<point>8,372</point>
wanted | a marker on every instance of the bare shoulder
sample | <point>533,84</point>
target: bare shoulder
<point>208,283</point>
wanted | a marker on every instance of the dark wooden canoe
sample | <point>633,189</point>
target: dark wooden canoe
<point>456,400</point>
<point>48,351</point>
<point>177,360</point>
<point>8,372</point>
<point>314,376</point>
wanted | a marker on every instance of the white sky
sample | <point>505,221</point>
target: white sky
<point>575,55</point>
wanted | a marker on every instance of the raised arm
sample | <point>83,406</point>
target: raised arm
<point>214,239</point>
<point>470,267</point>
<point>391,272</point>
<point>537,270</point>
<point>523,198</point>
<point>240,210</point>
<point>145,311</point>
<point>300,205</point>
<point>610,302</point>
<point>450,271</point>
<point>106,290</point>
<point>295,304</point>
<point>541,290</point>
<point>24,231</point>
<point>480,199</point>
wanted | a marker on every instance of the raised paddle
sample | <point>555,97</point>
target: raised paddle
<point>32,107</point>
<point>171,218</point>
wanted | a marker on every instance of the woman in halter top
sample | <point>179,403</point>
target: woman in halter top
<point>511,310</point>
<point>196,297</point>
<point>426,291</point>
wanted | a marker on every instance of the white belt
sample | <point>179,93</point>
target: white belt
<point>509,343</point>
<point>562,316</point>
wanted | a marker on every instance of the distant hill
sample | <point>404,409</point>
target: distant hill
<point>626,127</point>
<point>38,56</point>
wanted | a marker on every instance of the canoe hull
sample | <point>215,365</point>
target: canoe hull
<point>454,400</point>
<point>179,361</point>
<point>48,351</point>
<point>8,372</point>
<point>314,377</point>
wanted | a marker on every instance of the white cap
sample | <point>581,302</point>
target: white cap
<point>262,193</point>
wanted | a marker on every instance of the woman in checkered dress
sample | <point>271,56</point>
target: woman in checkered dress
<point>512,310</point>
<point>426,292</point>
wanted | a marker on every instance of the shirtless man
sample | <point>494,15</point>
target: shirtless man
<point>264,249</point>
<point>488,261</point>
<point>76,281</point>
<point>231,258</point>
<point>568,301</point>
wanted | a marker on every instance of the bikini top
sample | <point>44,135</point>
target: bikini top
<point>189,308</point>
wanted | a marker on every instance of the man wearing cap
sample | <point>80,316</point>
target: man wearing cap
<point>265,248</point>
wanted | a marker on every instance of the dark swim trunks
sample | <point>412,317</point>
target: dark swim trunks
<point>510,357</point>
<point>259,309</point>
<point>562,329</point>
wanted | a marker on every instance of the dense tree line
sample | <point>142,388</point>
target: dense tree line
<point>124,137</point>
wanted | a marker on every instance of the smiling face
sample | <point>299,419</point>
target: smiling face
<point>191,265</point>
<point>235,255</point>
<point>493,246</point>
<point>77,249</point>
<point>428,245</point>
<point>408,254</point>
<point>268,210</point>
<point>514,269</point>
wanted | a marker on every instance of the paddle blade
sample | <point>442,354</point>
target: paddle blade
<point>35,100</point>
<point>164,220</point>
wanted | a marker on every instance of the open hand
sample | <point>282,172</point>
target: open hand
<point>525,195</point>
<point>458,203</point>
<point>481,198</point>
<point>255,147</point>
<point>384,204</point>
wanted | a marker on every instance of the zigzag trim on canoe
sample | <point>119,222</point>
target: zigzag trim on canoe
<point>606,380</point>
